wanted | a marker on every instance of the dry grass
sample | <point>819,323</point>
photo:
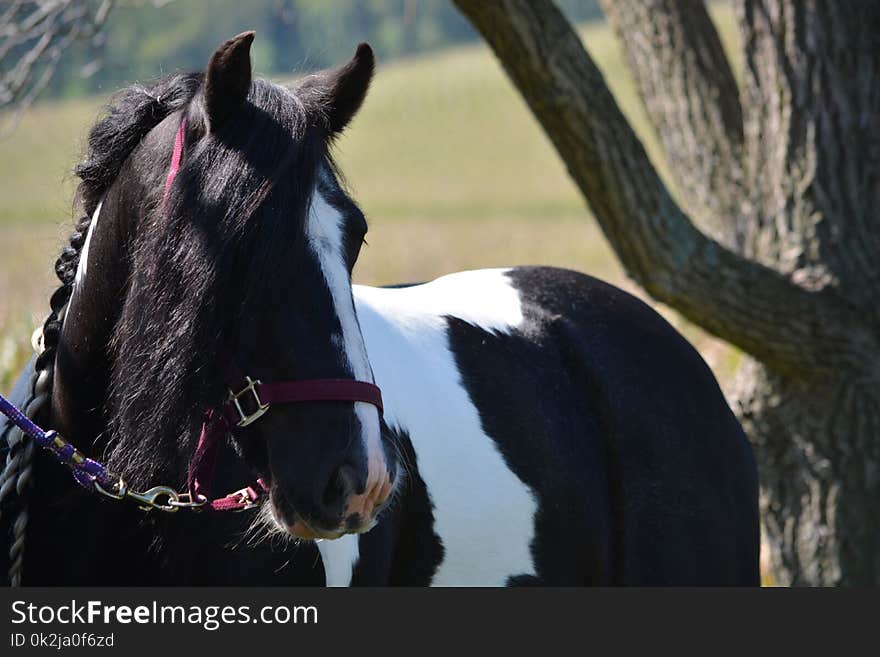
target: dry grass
<point>446,161</point>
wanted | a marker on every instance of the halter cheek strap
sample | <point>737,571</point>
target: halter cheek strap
<point>248,405</point>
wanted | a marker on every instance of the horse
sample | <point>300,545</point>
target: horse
<point>536,427</point>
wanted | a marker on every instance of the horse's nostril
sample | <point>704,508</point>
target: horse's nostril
<point>342,484</point>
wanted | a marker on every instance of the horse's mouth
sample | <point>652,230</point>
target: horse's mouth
<point>306,530</point>
<point>301,529</point>
<point>288,520</point>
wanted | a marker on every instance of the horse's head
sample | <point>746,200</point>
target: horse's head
<point>244,267</point>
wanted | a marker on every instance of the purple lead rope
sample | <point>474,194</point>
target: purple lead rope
<point>86,471</point>
<point>93,476</point>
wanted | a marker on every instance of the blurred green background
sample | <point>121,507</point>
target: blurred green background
<point>445,159</point>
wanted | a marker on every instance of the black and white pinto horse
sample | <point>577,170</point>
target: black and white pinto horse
<point>539,427</point>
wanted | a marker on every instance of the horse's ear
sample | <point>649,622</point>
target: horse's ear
<point>228,79</point>
<point>343,89</point>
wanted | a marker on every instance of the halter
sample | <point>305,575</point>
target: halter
<point>245,404</point>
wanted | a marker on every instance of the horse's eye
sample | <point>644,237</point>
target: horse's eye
<point>357,237</point>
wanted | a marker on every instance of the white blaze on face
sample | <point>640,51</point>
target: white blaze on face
<point>325,234</point>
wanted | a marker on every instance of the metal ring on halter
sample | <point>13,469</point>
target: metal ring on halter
<point>186,501</point>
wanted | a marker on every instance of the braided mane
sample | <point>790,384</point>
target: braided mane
<point>131,114</point>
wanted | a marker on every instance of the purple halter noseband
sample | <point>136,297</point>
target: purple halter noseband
<point>251,401</point>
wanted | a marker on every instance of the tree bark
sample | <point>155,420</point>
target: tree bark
<point>795,287</point>
<point>818,456</point>
<point>812,126</point>
<point>811,109</point>
<point>692,101</point>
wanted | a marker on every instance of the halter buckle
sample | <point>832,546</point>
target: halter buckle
<point>248,418</point>
<point>244,498</point>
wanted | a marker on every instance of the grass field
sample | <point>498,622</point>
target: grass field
<point>447,163</point>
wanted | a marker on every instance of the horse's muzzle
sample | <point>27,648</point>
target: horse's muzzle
<point>356,506</point>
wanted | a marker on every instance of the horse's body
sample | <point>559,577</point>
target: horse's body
<point>539,427</point>
<point>561,432</point>
<point>554,428</point>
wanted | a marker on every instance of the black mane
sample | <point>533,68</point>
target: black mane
<point>129,116</point>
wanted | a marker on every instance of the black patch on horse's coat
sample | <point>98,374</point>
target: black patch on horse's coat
<point>403,549</point>
<point>524,580</point>
<point>544,429</point>
<point>620,429</point>
<point>418,550</point>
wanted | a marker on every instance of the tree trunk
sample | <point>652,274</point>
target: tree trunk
<point>811,105</point>
<point>818,458</point>
<point>786,177</point>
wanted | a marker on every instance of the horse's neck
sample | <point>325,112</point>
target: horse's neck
<point>82,365</point>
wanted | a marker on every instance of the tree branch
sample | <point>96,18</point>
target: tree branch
<point>742,302</point>
<point>34,35</point>
<point>691,97</point>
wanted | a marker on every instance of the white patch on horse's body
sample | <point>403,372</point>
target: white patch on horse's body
<point>82,267</point>
<point>483,298</point>
<point>339,556</point>
<point>484,514</point>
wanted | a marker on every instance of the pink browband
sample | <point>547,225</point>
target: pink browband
<point>176,157</point>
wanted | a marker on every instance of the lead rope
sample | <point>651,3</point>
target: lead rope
<point>18,471</point>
